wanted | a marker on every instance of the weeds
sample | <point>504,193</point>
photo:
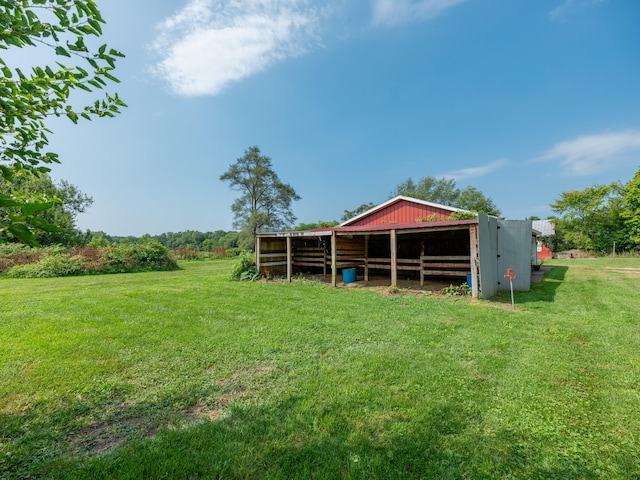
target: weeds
<point>456,290</point>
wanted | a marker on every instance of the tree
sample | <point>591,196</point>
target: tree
<point>591,219</point>
<point>264,202</point>
<point>318,224</point>
<point>445,192</point>
<point>69,202</point>
<point>631,212</point>
<point>474,200</point>
<point>29,99</point>
<point>431,189</point>
<point>348,214</point>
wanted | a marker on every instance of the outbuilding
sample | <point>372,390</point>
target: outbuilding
<point>421,238</point>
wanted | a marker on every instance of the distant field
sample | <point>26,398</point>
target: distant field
<point>186,374</point>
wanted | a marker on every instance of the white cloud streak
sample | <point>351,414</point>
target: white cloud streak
<point>210,44</point>
<point>570,7</point>
<point>592,154</point>
<point>394,12</point>
<point>474,172</point>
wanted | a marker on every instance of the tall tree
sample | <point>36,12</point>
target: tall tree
<point>474,200</point>
<point>591,219</point>
<point>444,191</point>
<point>631,212</point>
<point>432,189</point>
<point>70,201</point>
<point>29,99</point>
<point>264,202</point>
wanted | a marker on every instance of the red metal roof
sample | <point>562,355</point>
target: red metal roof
<point>402,209</point>
<point>396,226</point>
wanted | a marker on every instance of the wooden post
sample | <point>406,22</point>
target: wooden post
<point>334,280</point>
<point>289,258</point>
<point>475,261</point>
<point>421,263</point>
<point>324,259</point>
<point>258,245</point>
<point>394,259</point>
<point>366,258</point>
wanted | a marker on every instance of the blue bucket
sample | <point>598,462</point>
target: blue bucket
<point>469,280</point>
<point>348,275</point>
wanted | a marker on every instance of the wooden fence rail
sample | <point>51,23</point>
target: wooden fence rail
<point>444,266</point>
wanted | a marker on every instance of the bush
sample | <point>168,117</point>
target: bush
<point>26,262</point>
<point>187,253</point>
<point>245,268</point>
<point>12,254</point>
<point>54,265</point>
<point>128,257</point>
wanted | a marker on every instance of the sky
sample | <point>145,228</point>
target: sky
<point>520,99</point>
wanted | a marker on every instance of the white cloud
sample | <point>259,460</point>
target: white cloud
<point>473,172</point>
<point>211,43</point>
<point>569,7</point>
<point>592,154</point>
<point>393,12</point>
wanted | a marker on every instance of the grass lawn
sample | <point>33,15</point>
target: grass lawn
<point>187,374</point>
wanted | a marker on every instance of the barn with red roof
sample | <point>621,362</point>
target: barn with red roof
<point>409,237</point>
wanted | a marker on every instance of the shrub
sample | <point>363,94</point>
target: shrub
<point>12,254</point>
<point>55,265</point>
<point>187,253</point>
<point>455,290</point>
<point>26,262</point>
<point>128,257</point>
<point>235,252</point>
<point>245,268</point>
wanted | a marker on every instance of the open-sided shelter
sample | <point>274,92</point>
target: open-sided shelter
<point>407,235</point>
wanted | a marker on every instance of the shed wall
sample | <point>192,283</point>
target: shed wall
<point>514,250</point>
<point>488,247</point>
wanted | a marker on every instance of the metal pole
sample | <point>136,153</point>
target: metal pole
<point>513,303</point>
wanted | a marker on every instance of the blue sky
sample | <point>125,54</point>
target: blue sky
<point>521,99</point>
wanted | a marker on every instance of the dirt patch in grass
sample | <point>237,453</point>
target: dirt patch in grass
<point>382,284</point>
<point>105,436</point>
<point>102,437</point>
<point>626,271</point>
<point>237,386</point>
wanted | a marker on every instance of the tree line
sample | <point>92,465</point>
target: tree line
<point>599,218</point>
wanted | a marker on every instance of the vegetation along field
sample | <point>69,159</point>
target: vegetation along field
<point>187,374</point>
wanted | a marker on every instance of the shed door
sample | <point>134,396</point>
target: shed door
<point>488,251</point>
<point>514,250</point>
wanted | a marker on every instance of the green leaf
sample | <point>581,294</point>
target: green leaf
<point>61,51</point>
<point>22,233</point>
<point>6,202</point>
<point>41,224</point>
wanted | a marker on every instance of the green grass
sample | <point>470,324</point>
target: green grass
<point>187,374</point>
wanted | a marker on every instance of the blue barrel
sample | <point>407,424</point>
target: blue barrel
<point>348,275</point>
<point>469,280</point>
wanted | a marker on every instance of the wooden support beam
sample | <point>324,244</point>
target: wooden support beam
<point>289,257</point>
<point>475,260</point>
<point>366,258</point>
<point>258,245</point>
<point>394,259</point>
<point>334,273</point>
<point>324,260</point>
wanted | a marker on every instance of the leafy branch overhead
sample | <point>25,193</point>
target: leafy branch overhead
<point>29,98</point>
